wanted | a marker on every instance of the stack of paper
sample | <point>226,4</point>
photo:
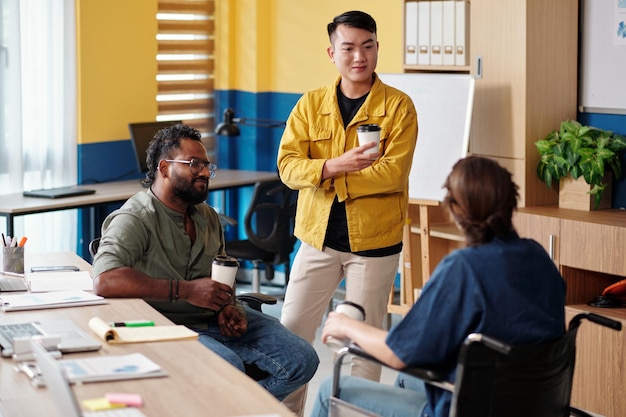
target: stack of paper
<point>110,368</point>
<point>139,334</point>
<point>54,299</point>
<point>59,281</point>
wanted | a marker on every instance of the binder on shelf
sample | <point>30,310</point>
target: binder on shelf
<point>410,33</point>
<point>423,33</point>
<point>461,32</point>
<point>436,32</point>
<point>449,8</point>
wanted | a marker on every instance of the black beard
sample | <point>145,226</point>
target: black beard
<point>186,192</point>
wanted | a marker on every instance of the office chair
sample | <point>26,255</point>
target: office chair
<point>269,224</point>
<point>253,300</point>
<point>494,379</point>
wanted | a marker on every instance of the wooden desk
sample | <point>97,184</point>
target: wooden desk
<point>198,383</point>
<point>13,205</point>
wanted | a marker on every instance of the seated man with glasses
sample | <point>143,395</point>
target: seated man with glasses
<point>159,246</point>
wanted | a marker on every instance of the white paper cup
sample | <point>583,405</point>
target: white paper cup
<point>367,134</point>
<point>351,310</point>
<point>224,270</point>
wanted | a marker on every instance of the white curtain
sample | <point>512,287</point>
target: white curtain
<point>38,118</point>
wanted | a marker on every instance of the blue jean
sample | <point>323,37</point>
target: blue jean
<point>289,360</point>
<point>406,399</point>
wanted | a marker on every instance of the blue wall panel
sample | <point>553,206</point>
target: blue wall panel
<point>617,124</point>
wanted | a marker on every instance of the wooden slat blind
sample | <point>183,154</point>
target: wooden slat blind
<point>185,64</point>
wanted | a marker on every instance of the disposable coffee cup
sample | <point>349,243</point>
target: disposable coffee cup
<point>13,259</point>
<point>352,310</point>
<point>367,134</point>
<point>224,270</point>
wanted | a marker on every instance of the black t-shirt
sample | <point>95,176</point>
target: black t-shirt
<point>337,229</point>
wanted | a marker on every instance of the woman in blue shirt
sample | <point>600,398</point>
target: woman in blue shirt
<point>499,285</point>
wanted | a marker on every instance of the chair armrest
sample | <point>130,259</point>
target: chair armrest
<point>255,300</point>
<point>427,375</point>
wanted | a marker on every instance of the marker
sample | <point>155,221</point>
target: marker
<point>133,323</point>
<point>22,241</point>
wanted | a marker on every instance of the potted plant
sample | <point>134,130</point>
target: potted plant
<point>576,150</point>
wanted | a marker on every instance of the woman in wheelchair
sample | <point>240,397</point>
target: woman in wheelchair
<point>499,285</point>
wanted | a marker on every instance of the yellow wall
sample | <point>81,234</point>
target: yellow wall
<point>261,45</point>
<point>280,45</point>
<point>116,67</point>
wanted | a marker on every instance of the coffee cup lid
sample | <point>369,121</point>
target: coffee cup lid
<point>225,261</point>
<point>368,128</point>
<point>355,305</point>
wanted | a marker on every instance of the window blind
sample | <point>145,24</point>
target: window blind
<point>185,58</point>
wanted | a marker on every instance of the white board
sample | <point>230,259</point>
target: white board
<point>444,113</point>
<point>603,57</point>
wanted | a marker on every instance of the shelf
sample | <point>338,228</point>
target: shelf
<point>437,68</point>
<point>447,231</point>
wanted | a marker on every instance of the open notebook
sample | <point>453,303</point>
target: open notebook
<point>63,396</point>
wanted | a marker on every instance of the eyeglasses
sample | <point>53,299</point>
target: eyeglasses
<point>197,165</point>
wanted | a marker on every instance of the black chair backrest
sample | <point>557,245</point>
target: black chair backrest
<point>529,380</point>
<point>269,221</point>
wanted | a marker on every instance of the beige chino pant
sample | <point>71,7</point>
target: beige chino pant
<point>314,278</point>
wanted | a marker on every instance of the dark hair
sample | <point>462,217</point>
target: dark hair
<point>481,198</point>
<point>162,144</point>
<point>355,18</point>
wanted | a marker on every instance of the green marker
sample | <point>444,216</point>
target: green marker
<point>133,323</point>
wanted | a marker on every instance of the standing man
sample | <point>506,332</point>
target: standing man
<point>159,246</point>
<point>352,205</point>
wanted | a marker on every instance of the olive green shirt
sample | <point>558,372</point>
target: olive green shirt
<point>146,235</point>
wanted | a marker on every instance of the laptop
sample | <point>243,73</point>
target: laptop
<point>62,393</point>
<point>59,192</point>
<point>141,134</point>
<point>72,337</point>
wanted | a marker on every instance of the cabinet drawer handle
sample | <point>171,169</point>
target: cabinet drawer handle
<point>551,247</point>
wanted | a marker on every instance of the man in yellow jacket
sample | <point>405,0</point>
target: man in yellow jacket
<point>352,204</point>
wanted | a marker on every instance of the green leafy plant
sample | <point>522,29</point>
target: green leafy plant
<point>577,150</point>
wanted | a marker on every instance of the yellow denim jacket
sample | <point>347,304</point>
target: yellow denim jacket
<point>376,197</point>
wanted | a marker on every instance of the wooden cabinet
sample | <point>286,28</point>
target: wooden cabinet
<point>600,364</point>
<point>526,83</point>
<point>544,229</point>
<point>589,247</point>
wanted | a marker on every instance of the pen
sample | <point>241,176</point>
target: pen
<point>4,241</point>
<point>22,241</point>
<point>14,242</point>
<point>133,323</point>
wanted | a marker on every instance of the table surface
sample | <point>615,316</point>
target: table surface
<point>110,192</point>
<point>198,383</point>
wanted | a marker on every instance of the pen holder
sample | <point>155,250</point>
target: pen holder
<point>13,259</point>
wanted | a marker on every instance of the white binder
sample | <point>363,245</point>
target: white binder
<point>436,32</point>
<point>410,33</point>
<point>449,8</point>
<point>423,36</point>
<point>461,34</point>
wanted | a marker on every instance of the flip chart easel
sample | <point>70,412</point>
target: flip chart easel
<point>444,108</point>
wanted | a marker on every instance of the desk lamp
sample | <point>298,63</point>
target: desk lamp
<point>229,127</point>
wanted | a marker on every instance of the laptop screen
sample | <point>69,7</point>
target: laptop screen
<point>141,134</point>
